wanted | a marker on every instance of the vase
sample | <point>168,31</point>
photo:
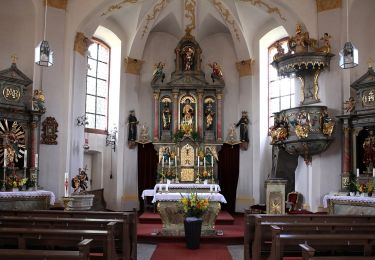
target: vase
<point>193,227</point>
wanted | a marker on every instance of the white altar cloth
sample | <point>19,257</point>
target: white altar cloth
<point>347,198</point>
<point>196,186</point>
<point>177,196</point>
<point>33,194</point>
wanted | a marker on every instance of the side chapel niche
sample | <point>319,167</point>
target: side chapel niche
<point>188,115</point>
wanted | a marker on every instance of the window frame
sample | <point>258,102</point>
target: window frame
<point>95,130</point>
<point>269,115</point>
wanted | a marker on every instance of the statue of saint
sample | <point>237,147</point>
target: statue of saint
<point>188,58</point>
<point>216,71</point>
<point>132,130</point>
<point>188,113</point>
<point>166,116</point>
<point>210,114</point>
<point>243,124</point>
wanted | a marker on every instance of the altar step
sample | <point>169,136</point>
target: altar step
<point>232,228</point>
<point>224,218</point>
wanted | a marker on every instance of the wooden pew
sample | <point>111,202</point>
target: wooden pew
<point>127,228</point>
<point>31,237</point>
<point>280,240</point>
<point>308,253</point>
<point>255,233</point>
<point>29,254</point>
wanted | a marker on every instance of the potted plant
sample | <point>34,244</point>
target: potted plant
<point>193,208</point>
<point>351,186</point>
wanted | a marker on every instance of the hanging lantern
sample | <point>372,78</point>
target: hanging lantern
<point>43,53</point>
<point>348,56</point>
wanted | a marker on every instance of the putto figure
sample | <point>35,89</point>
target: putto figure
<point>216,71</point>
<point>38,101</point>
<point>158,72</point>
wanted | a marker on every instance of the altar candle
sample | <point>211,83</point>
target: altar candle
<point>169,162</point>
<point>204,162</point>
<point>162,162</point>
<point>66,184</point>
<point>25,159</point>
<point>36,161</point>
<point>178,151</point>
<point>175,161</point>
<point>5,158</point>
<point>198,161</point>
<point>215,188</point>
<point>373,172</point>
<point>357,172</point>
<point>212,161</point>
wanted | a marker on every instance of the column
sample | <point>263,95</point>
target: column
<point>346,153</point>
<point>175,112</point>
<point>156,116</point>
<point>34,150</point>
<point>219,98</point>
<point>200,113</point>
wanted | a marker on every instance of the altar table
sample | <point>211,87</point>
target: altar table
<point>352,205</point>
<point>26,200</point>
<point>173,218</point>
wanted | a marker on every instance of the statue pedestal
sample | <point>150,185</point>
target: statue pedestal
<point>275,196</point>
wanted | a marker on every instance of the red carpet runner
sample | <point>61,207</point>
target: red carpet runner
<point>174,251</point>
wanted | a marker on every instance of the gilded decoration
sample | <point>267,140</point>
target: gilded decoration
<point>269,8</point>
<point>187,175</point>
<point>275,201</point>
<point>117,6</point>
<point>227,16</point>
<point>133,66</point>
<point>49,130</point>
<point>190,14</point>
<point>323,5</point>
<point>187,156</point>
<point>158,7</point>
<point>81,43</point>
<point>59,4</point>
<point>305,58</point>
<point>244,67</point>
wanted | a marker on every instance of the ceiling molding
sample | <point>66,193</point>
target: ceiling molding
<point>227,16</point>
<point>155,11</point>
<point>244,67</point>
<point>269,9</point>
<point>133,66</point>
<point>190,14</point>
<point>117,6</point>
<point>324,5</point>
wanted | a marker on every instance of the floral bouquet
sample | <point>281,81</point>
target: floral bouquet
<point>206,175</point>
<point>193,206</point>
<point>170,174</point>
<point>15,181</point>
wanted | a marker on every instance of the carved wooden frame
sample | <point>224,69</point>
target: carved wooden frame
<point>49,130</point>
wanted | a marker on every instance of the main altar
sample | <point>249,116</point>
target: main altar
<point>187,135</point>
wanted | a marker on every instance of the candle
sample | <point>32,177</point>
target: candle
<point>169,162</point>
<point>36,161</point>
<point>162,162</point>
<point>212,161</point>
<point>175,161</point>
<point>357,172</point>
<point>204,162</point>
<point>66,184</point>
<point>5,158</point>
<point>25,159</point>
<point>178,151</point>
<point>198,161</point>
<point>373,172</point>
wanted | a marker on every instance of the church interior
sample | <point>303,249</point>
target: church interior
<point>249,108</point>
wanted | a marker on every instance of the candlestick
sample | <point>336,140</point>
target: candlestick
<point>36,161</point>
<point>5,157</point>
<point>25,159</point>
<point>357,172</point>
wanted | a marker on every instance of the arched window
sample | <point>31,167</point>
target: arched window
<point>281,91</point>
<point>97,86</point>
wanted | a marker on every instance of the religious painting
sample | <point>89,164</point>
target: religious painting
<point>209,114</point>
<point>188,111</point>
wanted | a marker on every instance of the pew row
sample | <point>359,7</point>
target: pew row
<point>258,228</point>
<point>308,253</point>
<point>31,238</point>
<point>125,231</point>
<point>31,254</point>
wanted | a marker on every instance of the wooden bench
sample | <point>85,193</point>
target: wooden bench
<point>308,253</point>
<point>125,232</point>
<point>279,240</point>
<point>25,238</point>
<point>255,233</point>
<point>29,254</point>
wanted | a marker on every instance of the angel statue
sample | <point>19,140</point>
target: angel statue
<point>216,71</point>
<point>38,101</point>
<point>158,71</point>
<point>349,104</point>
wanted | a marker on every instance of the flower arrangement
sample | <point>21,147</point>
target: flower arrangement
<point>351,185</point>
<point>193,206</point>
<point>15,181</point>
<point>206,175</point>
<point>170,174</point>
<point>365,187</point>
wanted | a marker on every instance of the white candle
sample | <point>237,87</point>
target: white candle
<point>198,161</point>
<point>175,161</point>
<point>215,188</point>
<point>178,151</point>
<point>25,159</point>
<point>212,161</point>
<point>169,162</point>
<point>373,172</point>
<point>5,157</point>
<point>204,162</point>
<point>357,172</point>
<point>36,161</point>
<point>66,184</point>
<point>162,162</point>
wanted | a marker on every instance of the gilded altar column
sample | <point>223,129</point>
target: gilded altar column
<point>219,97</point>
<point>346,154</point>
<point>200,113</point>
<point>175,112</point>
<point>156,116</point>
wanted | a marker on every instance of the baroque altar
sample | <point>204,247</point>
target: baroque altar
<point>349,205</point>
